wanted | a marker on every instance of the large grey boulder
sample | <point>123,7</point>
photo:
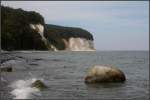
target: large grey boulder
<point>100,74</point>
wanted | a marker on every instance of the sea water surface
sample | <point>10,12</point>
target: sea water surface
<point>64,72</point>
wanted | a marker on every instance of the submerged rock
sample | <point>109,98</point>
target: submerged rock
<point>38,84</point>
<point>6,69</point>
<point>100,74</point>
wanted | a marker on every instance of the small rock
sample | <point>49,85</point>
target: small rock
<point>100,74</point>
<point>39,84</point>
<point>6,69</point>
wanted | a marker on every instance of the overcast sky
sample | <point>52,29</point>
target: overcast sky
<point>115,25</point>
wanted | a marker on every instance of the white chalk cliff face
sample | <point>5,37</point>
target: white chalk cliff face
<point>73,44</point>
<point>40,29</point>
<point>79,44</point>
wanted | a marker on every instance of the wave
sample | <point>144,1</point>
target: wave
<point>22,89</point>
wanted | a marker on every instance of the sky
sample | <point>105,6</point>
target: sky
<point>115,25</point>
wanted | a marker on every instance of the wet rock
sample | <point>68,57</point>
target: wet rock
<point>37,59</point>
<point>6,69</point>
<point>101,74</point>
<point>33,64</point>
<point>39,84</point>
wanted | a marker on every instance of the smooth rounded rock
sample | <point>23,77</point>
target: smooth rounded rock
<point>100,74</point>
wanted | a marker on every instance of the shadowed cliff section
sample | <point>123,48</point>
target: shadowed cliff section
<point>17,33</point>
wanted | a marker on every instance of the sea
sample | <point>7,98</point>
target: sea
<point>63,73</point>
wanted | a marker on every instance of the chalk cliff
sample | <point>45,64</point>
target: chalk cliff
<point>69,38</point>
<point>26,30</point>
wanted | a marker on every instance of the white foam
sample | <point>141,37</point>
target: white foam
<point>25,93</point>
<point>22,89</point>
